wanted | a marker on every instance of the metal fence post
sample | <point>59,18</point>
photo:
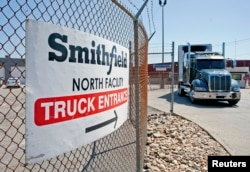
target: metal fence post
<point>137,97</point>
<point>172,81</point>
<point>139,146</point>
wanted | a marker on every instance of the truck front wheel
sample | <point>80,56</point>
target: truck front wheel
<point>192,99</point>
<point>181,92</point>
<point>233,102</point>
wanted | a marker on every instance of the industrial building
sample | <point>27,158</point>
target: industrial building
<point>14,67</point>
<point>10,67</point>
<point>239,73</point>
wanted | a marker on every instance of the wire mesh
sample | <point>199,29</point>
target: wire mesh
<point>115,152</point>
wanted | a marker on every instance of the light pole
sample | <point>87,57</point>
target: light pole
<point>162,4</point>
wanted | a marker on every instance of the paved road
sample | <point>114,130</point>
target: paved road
<point>230,125</point>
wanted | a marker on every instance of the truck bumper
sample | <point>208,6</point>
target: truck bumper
<point>216,95</point>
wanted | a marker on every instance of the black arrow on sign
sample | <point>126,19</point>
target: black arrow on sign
<point>100,125</point>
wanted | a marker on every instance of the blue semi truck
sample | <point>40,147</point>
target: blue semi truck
<point>203,75</point>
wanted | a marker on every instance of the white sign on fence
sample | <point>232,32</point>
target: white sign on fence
<point>76,89</point>
<point>161,67</point>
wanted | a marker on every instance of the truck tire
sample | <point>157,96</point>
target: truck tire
<point>233,102</point>
<point>181,92</point>
<point>191,98</point>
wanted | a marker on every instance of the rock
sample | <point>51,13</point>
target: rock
<point>175,162</point>
<point>176,144</point>
<point>158,135</point>
<point>183,166</point>
<point>162,166</point>
<point>168,158</point>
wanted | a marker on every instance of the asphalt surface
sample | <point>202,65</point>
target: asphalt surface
<point>229,125</point>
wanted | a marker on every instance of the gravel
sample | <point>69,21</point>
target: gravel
<point>175,144</point>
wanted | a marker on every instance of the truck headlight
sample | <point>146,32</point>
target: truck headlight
<point>200,89</point>
<point>236,89</point>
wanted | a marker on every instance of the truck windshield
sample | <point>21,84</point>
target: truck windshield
<point>210,64</point>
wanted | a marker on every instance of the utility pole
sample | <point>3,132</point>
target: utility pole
<point>162,4</point>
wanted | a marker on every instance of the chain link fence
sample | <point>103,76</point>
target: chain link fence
<point>155,77</point>
<point>107,19</point>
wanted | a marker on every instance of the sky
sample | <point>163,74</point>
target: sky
<point>197,22</point>
<point>194,21</point>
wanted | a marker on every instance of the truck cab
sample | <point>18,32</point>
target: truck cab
<point>205,76</point>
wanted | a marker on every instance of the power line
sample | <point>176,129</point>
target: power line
<point>233,42</point>
<point>237,41</point>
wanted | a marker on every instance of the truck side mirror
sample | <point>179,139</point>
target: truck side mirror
<point>233,63</point>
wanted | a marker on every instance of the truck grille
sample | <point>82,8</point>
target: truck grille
<point>219,83</point>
